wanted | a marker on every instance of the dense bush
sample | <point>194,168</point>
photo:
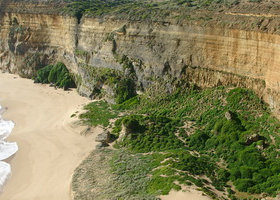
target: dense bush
<point>248,166</point>
<point>43,74</point>
<point>243,184</point>
<point>132,124</point>
<point>56,74</point>
<point>252,166</point>
<point>125,90</point>
<point>60,76</point>
<point>157,134</point>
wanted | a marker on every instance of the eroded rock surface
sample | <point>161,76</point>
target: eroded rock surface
<point>206,53</point>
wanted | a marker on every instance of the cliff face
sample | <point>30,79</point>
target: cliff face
<point>164,51</point>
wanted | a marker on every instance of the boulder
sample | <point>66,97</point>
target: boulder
<point>103,137</point>
<point>101,145</point>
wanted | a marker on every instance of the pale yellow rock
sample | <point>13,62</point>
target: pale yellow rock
<point>208,55</point>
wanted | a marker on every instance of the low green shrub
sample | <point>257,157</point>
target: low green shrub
<point>43,74</point>
<point>98,113</point>
<point>56,74</point>
<point>132,124</point>
<point>243,184</point>
<point>125,89</point>
<point>212,146</point>
<point>251,166</point>
<point>157,134</point>
<point>60,76</point>
<point>128,104</point>
<point>162,185</point>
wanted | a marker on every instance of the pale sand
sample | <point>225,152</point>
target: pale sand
<point>50,148</point>
<point>185,194</point>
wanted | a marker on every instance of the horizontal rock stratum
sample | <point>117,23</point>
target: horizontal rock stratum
<point>234,47</point>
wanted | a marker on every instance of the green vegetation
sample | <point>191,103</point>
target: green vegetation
<point>131,175</point>
<point>250,165</point>
<point>125,90</point>
<point>98,113</point>
<point>142,9</point>
<point>60,76</point>
<point>123,87</point>
<point>128,104</point>
<point>119,174</point>
<point>154,133</point>
<point>233,138</point>
<point>56,74</point>
<point>43,74</point>
<point>81,53</point>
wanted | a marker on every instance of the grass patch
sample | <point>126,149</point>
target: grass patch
<point>128,104</point>
<point>119,174</point>
<point>98,113</point>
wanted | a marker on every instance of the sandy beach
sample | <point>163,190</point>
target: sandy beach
<point>50,147</point>
<point>188,193</point>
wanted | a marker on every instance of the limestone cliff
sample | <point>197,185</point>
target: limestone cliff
<point>205,53</point>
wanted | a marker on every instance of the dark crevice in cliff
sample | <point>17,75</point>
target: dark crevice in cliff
<point>77,28</point>
<point>79,16</point>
